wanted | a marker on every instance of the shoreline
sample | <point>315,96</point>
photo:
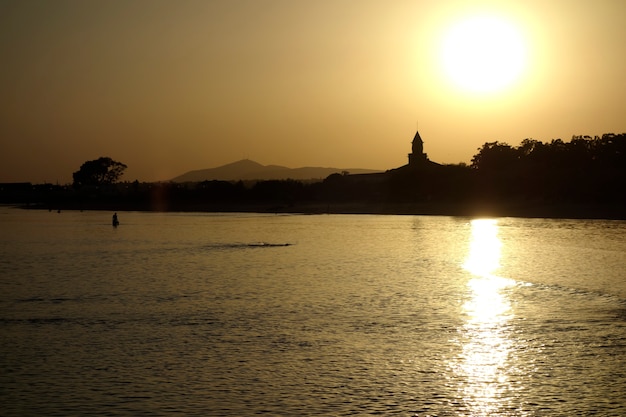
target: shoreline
<point>471,209</point>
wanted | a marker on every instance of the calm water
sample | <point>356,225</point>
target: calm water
<point>243,314</point>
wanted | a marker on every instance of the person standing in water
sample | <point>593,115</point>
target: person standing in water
<point>115,221</point>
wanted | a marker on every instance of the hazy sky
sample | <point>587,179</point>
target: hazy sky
<point>171,86</point>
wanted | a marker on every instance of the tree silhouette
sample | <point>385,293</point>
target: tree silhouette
<point>584,170</point>
<point>494,156</point>
<point>101,171</point>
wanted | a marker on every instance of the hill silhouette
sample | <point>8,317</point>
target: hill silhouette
<point>247,169</point>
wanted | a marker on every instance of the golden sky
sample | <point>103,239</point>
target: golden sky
<point>171,86</point>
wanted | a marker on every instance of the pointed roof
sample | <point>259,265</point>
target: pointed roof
<point>417,137</point>
<point>417,145</point>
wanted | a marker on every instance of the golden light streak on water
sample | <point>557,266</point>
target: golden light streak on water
<point>484,252</point>
<point>486,346</point>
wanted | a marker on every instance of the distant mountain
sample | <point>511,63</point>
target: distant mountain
<point>250,170</point>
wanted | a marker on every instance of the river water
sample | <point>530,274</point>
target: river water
<point>244,314</point>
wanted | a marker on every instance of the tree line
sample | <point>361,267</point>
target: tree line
<point>585,170</point>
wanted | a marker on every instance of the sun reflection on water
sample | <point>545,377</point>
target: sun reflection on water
<point>486,346</point>
<point>484,254</point>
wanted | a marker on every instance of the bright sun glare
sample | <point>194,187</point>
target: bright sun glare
<point>484,256</point>
<point>483,54</point>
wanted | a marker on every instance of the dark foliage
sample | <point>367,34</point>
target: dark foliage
<point>583,170</point>
<point>101,171</point>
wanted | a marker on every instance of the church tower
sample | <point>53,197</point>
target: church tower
<point>417,156</point>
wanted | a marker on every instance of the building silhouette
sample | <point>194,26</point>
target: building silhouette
<point>417,156</point>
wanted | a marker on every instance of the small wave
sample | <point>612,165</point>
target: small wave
<point>60,300</point>
<point>247,245</point>
<point>267,245</point>
<point>34,320</point>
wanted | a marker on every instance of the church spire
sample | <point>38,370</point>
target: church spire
<point>418,144</point>
<point>417,156</point>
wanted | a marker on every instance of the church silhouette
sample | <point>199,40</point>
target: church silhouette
<point>418,159</point>
<point>417,156</point>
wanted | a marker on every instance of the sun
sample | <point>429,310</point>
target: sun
<point>483,54</point>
